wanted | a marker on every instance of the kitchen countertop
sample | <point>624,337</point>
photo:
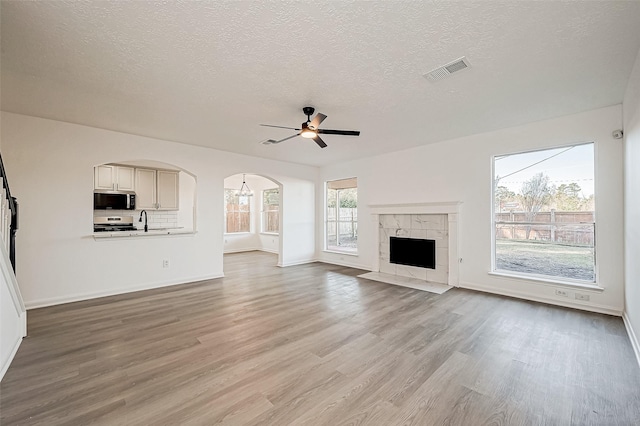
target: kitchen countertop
<point>141,233</point>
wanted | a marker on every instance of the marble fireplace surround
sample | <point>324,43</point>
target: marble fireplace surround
<point>450,209</point>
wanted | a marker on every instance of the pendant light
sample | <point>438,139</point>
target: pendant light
<point>244,189</point>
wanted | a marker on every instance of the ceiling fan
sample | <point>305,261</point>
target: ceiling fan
<point>310,129</point>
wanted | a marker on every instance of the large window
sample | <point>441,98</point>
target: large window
<point>270,210</point>
<point>544,213</point>
<point>237,212</point>
<point>342,215</point>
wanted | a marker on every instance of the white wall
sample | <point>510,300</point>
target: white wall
<point>13,317</point>
<point>297,202</point>
<point>631,109</point>
<point>51,165</point>
<point>460,170</point>
<point>187,200</point>
<point>253,240</point>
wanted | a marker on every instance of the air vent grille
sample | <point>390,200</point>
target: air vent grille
<point>448,69</point>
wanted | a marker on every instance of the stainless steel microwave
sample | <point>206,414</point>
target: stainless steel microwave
<point>114,200</point>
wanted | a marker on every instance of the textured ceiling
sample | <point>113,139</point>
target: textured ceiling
<point>207,73</point>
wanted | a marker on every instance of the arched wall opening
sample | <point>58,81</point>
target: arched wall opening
<point>166,192</point>
<point>253,222</point>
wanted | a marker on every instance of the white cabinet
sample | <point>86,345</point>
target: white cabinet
<point>156,189</point>
<point>114,178</point>
<point>145,189</point>
<point>167,190</point>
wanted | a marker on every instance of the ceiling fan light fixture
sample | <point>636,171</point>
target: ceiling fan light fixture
<point>307,133</point>
<point>311,129</point>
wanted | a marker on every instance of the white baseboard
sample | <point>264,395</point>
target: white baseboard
<point>269,251</point>
<point>23,324</point>
<point>41,303</point>
<point>7,363</point>
<point>297,262</point>
<point>347,264</point>
<point>241,250</point>
<point>633,337</point>
<point>601,309</point>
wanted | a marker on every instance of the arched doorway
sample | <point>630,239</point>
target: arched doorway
<point>252,215</point>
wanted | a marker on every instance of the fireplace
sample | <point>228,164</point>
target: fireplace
<point>412,252</point>
<point>411,224</point>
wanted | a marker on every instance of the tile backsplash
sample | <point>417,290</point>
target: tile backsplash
<point>156,218</point>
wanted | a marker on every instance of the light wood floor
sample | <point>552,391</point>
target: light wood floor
<point>315,345</point>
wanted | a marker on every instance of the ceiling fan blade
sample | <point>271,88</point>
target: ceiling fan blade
<point>285,139</point>
<point>315,123</point>
<point>278,127</point>
<point>339,132</point>
<point>320,142</point>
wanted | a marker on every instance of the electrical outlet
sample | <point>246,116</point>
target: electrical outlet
<point>165,263</point>
<point>562,293</point>
<point>584,297</point>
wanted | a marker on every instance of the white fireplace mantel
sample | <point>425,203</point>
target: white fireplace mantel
<point>450,208</point>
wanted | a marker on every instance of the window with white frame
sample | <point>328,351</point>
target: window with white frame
<point>237,212</point>
<point>341,223</point>
<point>271,211</point>
<point>544,214</point>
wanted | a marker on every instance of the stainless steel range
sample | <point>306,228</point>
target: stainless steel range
<point>113,224</point>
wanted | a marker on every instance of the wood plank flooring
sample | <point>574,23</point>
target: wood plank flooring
<point>314,345</point>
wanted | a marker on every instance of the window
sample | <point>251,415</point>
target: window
<point>270,210</point>
<point>342,215</point>
<point>544,213</point>
<point>237,212</point>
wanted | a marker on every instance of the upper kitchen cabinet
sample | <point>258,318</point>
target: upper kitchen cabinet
<point>146,193</point>
<point>114,178</point>
<point>157,189</point>
<point>167,190</point>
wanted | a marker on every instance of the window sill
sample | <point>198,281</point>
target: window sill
<point>270,233</point>
<point>549,281</point>
<point>347,253</point>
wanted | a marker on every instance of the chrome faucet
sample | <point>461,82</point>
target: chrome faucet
<point>146,228</point>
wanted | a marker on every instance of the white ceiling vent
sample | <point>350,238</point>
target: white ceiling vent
<point>448,69</point>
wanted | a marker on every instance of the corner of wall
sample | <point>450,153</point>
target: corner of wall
<point>633,337</point>
<point>631,126</point>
